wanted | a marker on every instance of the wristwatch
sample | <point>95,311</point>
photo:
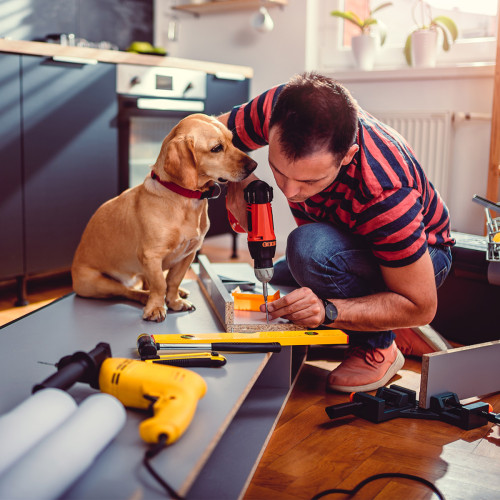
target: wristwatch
<point>331,312</point>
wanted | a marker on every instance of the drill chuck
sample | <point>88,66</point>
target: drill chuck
<point>265,274</point>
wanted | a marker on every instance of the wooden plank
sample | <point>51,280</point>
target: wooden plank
<point>494,161</point>
<point>467,371</point>
<point>223,304</point>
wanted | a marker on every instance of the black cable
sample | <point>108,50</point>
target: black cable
<point>151,453</point>
<point>380,476</point>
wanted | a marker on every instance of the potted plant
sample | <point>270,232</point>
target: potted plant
<point>365,44</point>
<point>421,44</point>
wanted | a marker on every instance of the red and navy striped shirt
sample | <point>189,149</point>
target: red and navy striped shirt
<point>383,195</point>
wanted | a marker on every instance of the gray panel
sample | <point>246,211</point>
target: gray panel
<point>70,154</point>
<point>11,203</point>
<point>73,324</point>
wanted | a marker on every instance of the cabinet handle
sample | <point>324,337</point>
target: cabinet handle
<point>223,75</point>
<point>73,60</point>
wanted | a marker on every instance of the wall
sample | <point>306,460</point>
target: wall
<point>229,38</point>
<point>470,140</point>
<point>116,21</point>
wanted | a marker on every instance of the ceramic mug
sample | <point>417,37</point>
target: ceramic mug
<point>262,21</point>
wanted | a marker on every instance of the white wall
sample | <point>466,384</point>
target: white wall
<point>470,140</point>
<point>228,37</point>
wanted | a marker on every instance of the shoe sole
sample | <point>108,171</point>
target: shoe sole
<point>432,338</point>
<point>393,369</point>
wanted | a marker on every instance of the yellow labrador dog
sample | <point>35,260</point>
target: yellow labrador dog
<point>159,225</point>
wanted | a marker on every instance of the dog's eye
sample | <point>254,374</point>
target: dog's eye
<point>217,149</point>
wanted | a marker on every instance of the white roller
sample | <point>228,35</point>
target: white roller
<point>52,466</point>
<point>29,422</point>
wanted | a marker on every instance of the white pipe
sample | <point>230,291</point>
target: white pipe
<point>29,422</point>
<point>46,471</point>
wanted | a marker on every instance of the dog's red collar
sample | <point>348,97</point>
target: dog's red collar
<point>213,192</point>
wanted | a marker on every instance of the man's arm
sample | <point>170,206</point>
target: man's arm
<point>411,300</point>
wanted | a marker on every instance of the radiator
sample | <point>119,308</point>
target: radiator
<point>430,135</point>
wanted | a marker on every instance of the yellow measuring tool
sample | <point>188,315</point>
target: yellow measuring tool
<point>289,337</point>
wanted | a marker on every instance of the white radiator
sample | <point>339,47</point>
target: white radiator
<point>430,135</point>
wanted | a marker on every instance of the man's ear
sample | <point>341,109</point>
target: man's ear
<point>180,162</point>
<point>350,154</point>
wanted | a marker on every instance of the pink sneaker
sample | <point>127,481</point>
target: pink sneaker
<point>365,370</point>
<point>421,340</point>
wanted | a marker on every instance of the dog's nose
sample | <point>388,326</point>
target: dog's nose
<point>250,166</point>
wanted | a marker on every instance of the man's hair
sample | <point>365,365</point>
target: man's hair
<point>315,113</point>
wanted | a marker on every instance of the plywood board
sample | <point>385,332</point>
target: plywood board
<point>223,304</point>
<point>467,371</point>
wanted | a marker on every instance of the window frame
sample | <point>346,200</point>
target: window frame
<point>327,53</point>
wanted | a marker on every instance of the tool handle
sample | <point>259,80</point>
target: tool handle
<point>247,346</point>
<point>192,363</point>
<point>342,409</point>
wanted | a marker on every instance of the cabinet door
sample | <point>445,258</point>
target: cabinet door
<point>11,196</point>
<point>222,95</point>
<point>70,154</point>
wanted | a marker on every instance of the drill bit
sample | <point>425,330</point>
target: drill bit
<point>264,292</point>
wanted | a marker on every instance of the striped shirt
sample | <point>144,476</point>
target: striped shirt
<point>383,195</point>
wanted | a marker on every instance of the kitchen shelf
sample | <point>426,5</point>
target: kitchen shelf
<point>216,6</point>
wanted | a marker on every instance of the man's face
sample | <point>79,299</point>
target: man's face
<point>305,177</point>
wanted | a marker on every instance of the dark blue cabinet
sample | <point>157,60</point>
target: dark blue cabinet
<point>11,187</point>
<point>70,154</point>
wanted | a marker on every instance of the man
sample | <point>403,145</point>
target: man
<point>373,241</point>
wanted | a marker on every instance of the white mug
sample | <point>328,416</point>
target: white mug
<point>262,21</point>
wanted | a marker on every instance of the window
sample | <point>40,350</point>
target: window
<point>476,21</point>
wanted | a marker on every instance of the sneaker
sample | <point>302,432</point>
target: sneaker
<point>418,341</point>
<point>365,370</point>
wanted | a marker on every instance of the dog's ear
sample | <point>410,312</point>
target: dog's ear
<point>180,162</point>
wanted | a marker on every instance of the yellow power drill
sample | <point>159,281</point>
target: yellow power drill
<point>171,392</point>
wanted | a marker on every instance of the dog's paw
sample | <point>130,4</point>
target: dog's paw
<point>183,293</point>
<point>180,305</point>
<point>155,313</point>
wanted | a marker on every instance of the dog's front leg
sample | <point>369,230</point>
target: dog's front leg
<point>155,306</point>
<point>174,278</point>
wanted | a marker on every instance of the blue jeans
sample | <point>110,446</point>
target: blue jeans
<point>336,264</point>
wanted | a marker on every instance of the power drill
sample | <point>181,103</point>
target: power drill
<point>261,239</point>
<point>171,392</point>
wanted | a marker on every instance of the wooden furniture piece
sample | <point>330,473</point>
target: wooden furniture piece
<point>217,454</point>
<point>470,371</point>
<point>223,304</point>
<point>494,163</point>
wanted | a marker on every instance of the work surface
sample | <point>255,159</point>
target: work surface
<point>215,456</point>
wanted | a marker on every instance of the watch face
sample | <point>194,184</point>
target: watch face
<point>330,312</point>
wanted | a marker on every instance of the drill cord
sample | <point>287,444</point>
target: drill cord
<point>151,453</point>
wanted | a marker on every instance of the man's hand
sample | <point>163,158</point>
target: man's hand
<point>301,306</point>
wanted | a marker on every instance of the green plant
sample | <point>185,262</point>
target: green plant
<point>365,24</point>
<point>444,24</point>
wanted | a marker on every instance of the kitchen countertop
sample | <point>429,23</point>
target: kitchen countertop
<point>118,57</point>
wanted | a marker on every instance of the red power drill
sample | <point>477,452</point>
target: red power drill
<point>261,238</point>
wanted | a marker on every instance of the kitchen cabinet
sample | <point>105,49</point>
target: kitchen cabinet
<point>11,188</point>
<point>70,150</point>
<point>58,158</point>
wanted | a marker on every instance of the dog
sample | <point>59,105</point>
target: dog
<point>158,226</point>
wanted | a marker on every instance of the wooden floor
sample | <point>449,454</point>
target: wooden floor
<point>309,453</point>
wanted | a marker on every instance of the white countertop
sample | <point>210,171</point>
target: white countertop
<point>118,57</point>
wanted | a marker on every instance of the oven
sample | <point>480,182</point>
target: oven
<point>151,101</point>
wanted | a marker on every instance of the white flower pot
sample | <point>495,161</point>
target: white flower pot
<point>423,48</point>
<point>364,49</point>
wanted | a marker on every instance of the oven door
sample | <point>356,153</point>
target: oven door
<point>143,124</point>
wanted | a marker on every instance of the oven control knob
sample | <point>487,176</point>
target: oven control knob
<point>135,81</point>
